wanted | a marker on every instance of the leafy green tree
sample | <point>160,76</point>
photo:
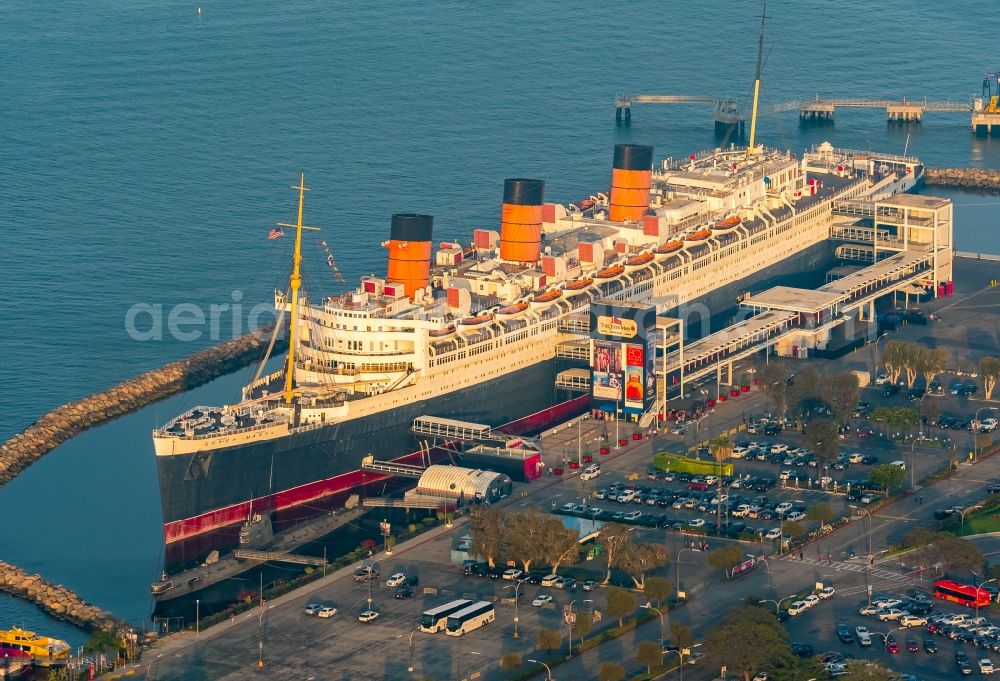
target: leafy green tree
<point>621,604</point>
<point>793,528</point>
<point>657,588</point>
<point>823,437</point>
<point>681,635</point>
<point>725,558</point>
<point>103,642</point>
<point>894,357</point>
<point>748,640</point>
<point>615,538</point>
<point>611,671</point>
<point>772,381</point>
<point>487,527</point>
<point>887,476</point>
<point>549,639</point>
<point>915,363</point>
<point>637,560</point>
<point>949,553</point>
<point>510,661</point>
<point>935,360</point>
<point>807,389</point>
<point>722,449</point>
<point>649,655</point>
<point>525,536</point>
<point>989,369</point>
<point>558,543</point>
<point>842,395</point>
<point>821,513</point>
<point>584,622</point>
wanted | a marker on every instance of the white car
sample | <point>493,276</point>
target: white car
<point>779,448</point>
<point>912,621</point>
<point>550,580</point>
<point>395,580</point>
<point>740,511</point>
<point>327,611</point>
<point>856,457</point>
<point>541,600</point>
<point>784,475</point>
<point>796,516</point>
<point>783,507</point>
<point>711,479</point>
<point>868,610</point>
<point>368,616</point>
<point>796,608</point>
<point>313,608</point>
<point>985,666</point>
<point>955,619</point>
<point>697,522</point>
<point>887,603</point>
<point>589,475</point>
<point>811,600</point>
<point>988,426</point>
<point>512,574</point>
<point>864,636</point>
<point>890,615</point>
<point>826,592</point>
<point>772,534</point>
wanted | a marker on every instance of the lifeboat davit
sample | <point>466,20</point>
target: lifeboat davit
<point>512,310</point>
<point>638,261</point>
<point>728,223</point>
<point>476,322</point>
<point>438,334</point>
<point>546,298</point>
<point>577,286</point>
<point>610,272</point>
<point>700,235</point>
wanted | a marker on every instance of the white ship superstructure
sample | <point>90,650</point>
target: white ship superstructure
<point>708,221</point>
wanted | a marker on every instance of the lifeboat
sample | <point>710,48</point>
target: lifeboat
<point>546,298</point>
<point>438,334</point>
<point>512,310</point>
<point>476,322</point>
<point>700,235</point>
<point>668,248</point>
<point>578,286</point>
<point>638,261</point>
<point>585,204</point>
<point>609,272</point>
<point>728,223</point>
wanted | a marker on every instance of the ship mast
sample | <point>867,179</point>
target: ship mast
<point>756,83</point>
<point>294,282</point>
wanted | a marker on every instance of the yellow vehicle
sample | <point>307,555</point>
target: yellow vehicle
<point>45,651</point>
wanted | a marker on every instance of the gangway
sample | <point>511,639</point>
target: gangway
<point>450,429</point>
<point>277,556</point>
<point>403,470</point>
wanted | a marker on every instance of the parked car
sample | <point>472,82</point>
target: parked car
<point>930,646</point>
<point>395,580</point>
<point>541,600</point>
<point>402,592</point>
<point>326,611</point>
<point>890,644</point>
<point>826,592</point>
<point>313,608</point>
<point>864,636</point>
<point>844,634</point>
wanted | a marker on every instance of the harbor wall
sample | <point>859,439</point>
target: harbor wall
<point>982,179</point>
<point>73,418</point>
<point>56,600</point>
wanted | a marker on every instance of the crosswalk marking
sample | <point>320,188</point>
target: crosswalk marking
<point>855,567</point>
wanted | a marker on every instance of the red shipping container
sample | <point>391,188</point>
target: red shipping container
<point>650,225</point>
<point>548,212</point>
<point>453,297</point>
<point>549,265</point>
<point>481,238</point>
<point>620,247</point>
<point>586,252</point>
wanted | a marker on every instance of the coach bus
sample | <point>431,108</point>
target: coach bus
<point>966,594</point>
<point>470,618</point>
<point>435,619</point>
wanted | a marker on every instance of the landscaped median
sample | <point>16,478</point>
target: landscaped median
<point>682,464</point>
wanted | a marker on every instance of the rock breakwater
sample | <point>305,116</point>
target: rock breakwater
<point>73,418</point>
<point>56,600</point>
<point>982,179</point>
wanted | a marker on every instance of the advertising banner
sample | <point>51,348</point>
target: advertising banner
<point>607,377</point>
<point>635,388</point>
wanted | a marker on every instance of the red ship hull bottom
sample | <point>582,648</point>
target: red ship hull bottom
<point>314,492</point>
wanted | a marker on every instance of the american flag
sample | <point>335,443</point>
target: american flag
<point>275,234</point>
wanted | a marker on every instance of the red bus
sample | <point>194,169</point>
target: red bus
<point>956,592</point>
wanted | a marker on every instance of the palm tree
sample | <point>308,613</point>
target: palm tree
<point>722,449</point>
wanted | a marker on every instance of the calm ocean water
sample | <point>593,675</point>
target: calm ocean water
<point>147,149</point>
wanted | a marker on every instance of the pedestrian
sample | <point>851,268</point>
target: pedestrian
<point>829,558</point>
<point>819,554</point>
<point>921,498</point>
<point>801,557</point>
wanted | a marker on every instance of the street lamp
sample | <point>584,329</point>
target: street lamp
<point>777,603</point>
<point>197,617</point>
<point>516,588</point>
<point>649,606</point>
<point>410,667</point>
<point>548,672</point>
<point>681,654</point>
<point>977,592</point>
<point>884,334</point>
<point>569,622</point>
<point>868,562</point>
<point>677,589</point>
<point>885,636</point>
<point>976,432</point>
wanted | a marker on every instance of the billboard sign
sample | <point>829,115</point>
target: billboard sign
<point>635,387</point>
<point>607,374</point>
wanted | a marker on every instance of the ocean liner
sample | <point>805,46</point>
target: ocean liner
<point>470,331</point>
